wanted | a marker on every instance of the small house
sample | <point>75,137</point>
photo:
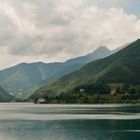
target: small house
<point>41,101</point>
<point>113,92</point>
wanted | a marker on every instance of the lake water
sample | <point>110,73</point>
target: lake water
<point>69,122</point>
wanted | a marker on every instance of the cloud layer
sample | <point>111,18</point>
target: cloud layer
<point>55,30</point>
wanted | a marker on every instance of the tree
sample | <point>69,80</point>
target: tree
<point>35,100</point>
<point>125,88</point>
<point>118,90</point>
<point>132,91</point>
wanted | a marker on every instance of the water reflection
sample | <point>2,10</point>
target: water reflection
<point>69,122</point>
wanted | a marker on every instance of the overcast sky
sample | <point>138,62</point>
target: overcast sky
<point>56,30</point>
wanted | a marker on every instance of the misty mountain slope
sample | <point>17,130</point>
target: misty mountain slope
<point>120,48</point>
<point>66,70</point>
<point>76,63</point>
<point>121,67</point>
<point>22,78</point>
<point>101,52</point>
<point>4,96</point>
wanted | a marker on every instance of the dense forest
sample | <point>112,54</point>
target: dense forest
<point>114,79</point>
<point>100,93</point>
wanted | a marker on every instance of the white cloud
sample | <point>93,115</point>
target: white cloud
<point>49,30</point>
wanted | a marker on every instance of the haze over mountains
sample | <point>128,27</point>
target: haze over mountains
<point>76,63</point>
<point>25,77</point>
<point>121,67</point>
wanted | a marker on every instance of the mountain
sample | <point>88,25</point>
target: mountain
<point>120,48</point>
<point>76,63</point>
<point>121,67</point>
<point>101,52</point>
<point>4,96</point>
<point>24,78</point>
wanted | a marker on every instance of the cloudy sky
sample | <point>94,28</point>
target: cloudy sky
<point>56,30</point>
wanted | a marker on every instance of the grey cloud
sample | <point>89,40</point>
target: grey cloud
<point>53,27</point>
<point>25,45</point>
<point>6,29</point>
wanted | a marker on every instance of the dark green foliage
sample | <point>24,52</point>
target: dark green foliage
<point>92,89</point>
<point>121,67</point>
<point>91,93</point>
<point>25,78</point>
<point>132,91</point>
<point>125,88</point>
<point>118,90</point>
<point>4,96</point>
<point>131,97</point>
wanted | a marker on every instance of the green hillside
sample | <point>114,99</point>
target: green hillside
<point>21,80</point>
<point>4,96</point>
<point>121,67</point>
<point>74,64</point>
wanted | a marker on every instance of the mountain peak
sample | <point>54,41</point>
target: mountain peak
<point>121,67</point>
<point>101,51</point>
<point>102,48</point>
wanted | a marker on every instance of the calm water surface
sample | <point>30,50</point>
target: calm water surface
<point>69,122</point>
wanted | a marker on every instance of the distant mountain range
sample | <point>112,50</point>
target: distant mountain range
<point>121,67</point>
<point>24,78</point>
<point>4,96</point>
<point>76,63</point>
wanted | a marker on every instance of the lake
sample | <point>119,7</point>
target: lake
<point>19,121</point>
